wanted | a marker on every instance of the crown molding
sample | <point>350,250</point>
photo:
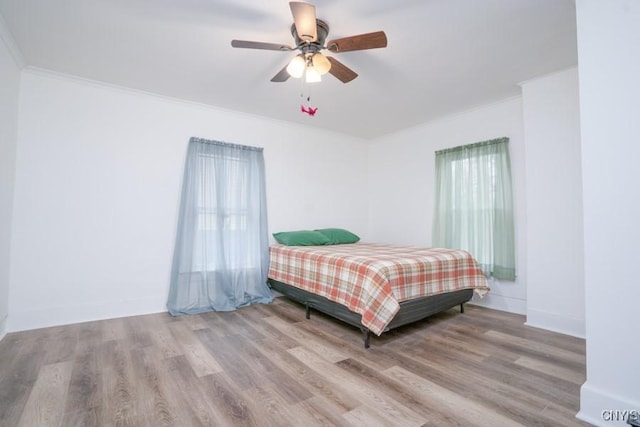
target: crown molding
<point>10,43</point>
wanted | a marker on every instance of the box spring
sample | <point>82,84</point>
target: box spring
<point>410,311</point>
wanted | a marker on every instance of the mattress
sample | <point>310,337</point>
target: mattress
<point>372,279</point>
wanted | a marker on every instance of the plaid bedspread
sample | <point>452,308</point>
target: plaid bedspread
<point>372,279</point>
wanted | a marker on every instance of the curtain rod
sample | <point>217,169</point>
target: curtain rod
<point>193,139</point>
<point>474,145</point>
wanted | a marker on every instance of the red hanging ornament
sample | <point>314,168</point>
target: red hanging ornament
<point>309,110</point>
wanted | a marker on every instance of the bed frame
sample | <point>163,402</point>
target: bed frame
<point>410,311</point>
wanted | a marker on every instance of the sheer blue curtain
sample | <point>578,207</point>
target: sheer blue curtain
<point>221,255</point>
<point>474,205</point>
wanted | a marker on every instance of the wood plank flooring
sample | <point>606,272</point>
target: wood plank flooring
<point>266,365</point>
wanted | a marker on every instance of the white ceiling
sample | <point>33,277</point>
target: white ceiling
<point>443,56</point>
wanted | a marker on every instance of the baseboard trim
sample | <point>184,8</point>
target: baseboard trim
<point>501,303</point>
<point>57,316</point>
<point>601,408</point>
<point>3,327</point>
<point>556,323</point>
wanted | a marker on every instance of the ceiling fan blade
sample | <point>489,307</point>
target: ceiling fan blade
<point>259,45</point>
<point>341,71</point>
<point>282,75</point>
<point>304,18</point>
<point>359,42</point>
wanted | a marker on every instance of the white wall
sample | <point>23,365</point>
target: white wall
<point>97,189</point>
<point>9,89</point>
<point>554,234</point>
<point>402,181</point>
<point>609,64</point>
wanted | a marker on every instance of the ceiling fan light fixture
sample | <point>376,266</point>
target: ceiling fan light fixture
<point>320,63</point>
<point>297,67</point>
<point>312,75</point>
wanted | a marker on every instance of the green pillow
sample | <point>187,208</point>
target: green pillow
<point>301,238</point>
<point>339,236</point>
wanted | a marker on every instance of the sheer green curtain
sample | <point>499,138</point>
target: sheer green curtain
<point>474,205</point>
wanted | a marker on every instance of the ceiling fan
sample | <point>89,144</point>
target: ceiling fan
<point>310,34</point>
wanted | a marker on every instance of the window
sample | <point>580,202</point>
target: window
<point>223,211</point>
<point>474,205</point>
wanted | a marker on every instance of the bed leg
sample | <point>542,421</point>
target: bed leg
<point>366,335</point>
<point>308,311</point>
<point>462,308</point>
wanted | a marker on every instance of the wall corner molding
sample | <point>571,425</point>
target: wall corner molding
<point>10,42</point>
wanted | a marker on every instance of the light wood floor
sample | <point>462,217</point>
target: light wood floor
<point>266,365</point>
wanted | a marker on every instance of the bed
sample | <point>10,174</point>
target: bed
<point>375,287</point>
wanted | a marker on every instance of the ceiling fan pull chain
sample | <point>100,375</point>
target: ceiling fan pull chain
<point>305,107</point>
<point>302,88</point>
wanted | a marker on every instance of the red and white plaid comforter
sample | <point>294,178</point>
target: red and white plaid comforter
<point>371,279</point>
